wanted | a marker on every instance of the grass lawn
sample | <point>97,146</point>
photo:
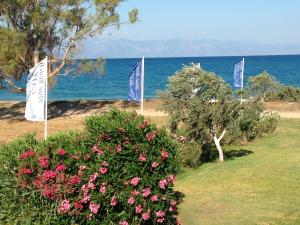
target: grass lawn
<point>262,187</point>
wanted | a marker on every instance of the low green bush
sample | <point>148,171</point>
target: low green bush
<point>120,170</point>
<point>190,154</point>
<point>268,122</point>
<point>285,93</point>
<point>252,123</point>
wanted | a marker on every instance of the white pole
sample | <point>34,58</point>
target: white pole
<point>242,80</point>
<point>142,86</point>
<point>46,104</point>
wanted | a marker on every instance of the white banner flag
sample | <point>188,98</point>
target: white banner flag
<point>36,92</point>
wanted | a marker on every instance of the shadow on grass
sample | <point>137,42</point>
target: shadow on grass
<point>212,155</point>
<point>56,109</point>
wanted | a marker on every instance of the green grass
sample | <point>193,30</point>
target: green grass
<point>260,188</point>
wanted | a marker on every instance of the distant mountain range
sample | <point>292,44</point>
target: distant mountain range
<point>122,48</point>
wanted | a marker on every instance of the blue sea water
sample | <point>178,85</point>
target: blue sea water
<point>114,83</point>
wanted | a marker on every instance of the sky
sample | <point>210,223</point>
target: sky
<point>263,21</point>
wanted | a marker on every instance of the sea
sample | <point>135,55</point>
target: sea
<point>113,84</point>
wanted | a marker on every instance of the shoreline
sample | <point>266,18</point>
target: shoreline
<point>68,115</point>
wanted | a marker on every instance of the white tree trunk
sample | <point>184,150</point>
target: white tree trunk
<point>218,145</point>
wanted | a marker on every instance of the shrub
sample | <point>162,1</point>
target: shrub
<point>268,122</point>
<point>286,93</point>
<point>262,85</point>
<point>190,154</point>
<point>119,171</point>
<point>248,122</point>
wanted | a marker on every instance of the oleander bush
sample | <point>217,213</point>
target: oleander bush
<point>120,170</point>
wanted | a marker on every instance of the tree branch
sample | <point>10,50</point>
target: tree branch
<point>57,69</point>
<point>222,135</point>
<point>14,87</point>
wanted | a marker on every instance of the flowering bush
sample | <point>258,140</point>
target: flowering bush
<point>121,170</point>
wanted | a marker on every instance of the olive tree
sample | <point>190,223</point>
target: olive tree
<point>32,29</point>
<point>201,105</point>
<point>262,85</point>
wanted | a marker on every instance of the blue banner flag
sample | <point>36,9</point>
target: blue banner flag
<point>135,82</point>
<point>238,74</point>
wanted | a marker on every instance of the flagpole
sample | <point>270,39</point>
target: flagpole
<point>242,80</point>
<point>142,87</point>
<point>46,102</point>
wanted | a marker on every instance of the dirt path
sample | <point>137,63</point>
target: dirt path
<point>69,115</point>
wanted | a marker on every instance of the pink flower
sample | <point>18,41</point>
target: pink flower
<point>64,206</point>
<point>160,220</point>
<point>163,183</point>
<point>44,161</point>
<point>97,150</point>
<point>102,188</point>
<point>75,180</point>
<point>154,198</point>
<point>49,192</point>
<point>78,205</point>
<point>61,152</point>
<point>91,186</point>
<point>173,202</point>
<point>106,137</point>
<point>135,181</point>
<point>123,223</point>
<point>143,158</point>
<point>85,188</point>
<point>160,213</point>
<point>146,192</point>
<point>172,208</point>
<point>146,216</point>
<point>49,174</point>
<point>103,170</point>
<point>164,154</point>
<point>113,201</point>
<point>27,154</point>
<point>171,179</point>
<point>154,164</point>
<point>135,192</point>
<point>143,125</point>
<point>94,207</point>
<point>104,163</point>
<point>119,148</point>
<point>151,136</point>
<point>131,200</point>
<point>93,177</point>
<point>25,171</point>
<point>86,199</point>
<point>138,209</point>
<point>87,156</point>
<point>60,167</point>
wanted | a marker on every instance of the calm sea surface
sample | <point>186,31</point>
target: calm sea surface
<point>114,84</point>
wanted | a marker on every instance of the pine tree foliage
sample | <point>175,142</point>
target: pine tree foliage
<point>32,29</point>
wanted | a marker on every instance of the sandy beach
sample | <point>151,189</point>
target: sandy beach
<point>62,116</point>
<point>68,115</point>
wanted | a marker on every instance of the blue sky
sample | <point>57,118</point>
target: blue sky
<point>265,21</point>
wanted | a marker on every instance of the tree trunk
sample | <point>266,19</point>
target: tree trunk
<point>218,145</point>
<point>36,55</point>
